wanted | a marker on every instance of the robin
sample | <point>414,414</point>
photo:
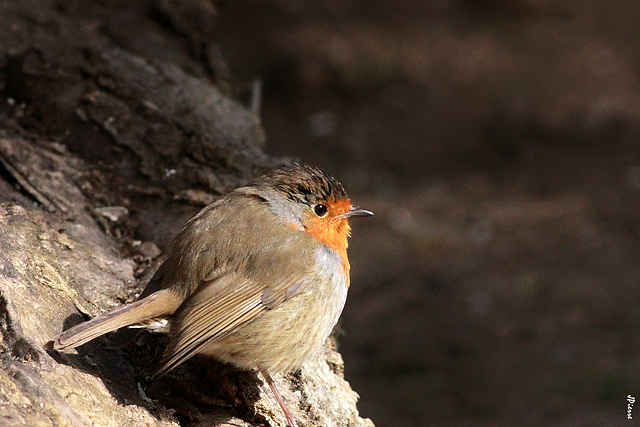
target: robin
<point>257,279</point>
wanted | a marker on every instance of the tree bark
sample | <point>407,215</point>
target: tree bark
<point>117,125</point>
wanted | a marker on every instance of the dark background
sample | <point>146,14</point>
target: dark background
<point>498,143</point>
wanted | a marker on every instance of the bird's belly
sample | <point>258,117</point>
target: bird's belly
<point>282,339</point>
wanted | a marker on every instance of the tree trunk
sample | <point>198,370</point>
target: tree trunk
<point>117,126</point>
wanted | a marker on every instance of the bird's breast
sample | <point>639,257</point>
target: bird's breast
<point>283,338</point>
<point>330,263</point>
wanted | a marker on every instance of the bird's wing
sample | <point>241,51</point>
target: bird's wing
<point>218,308</point>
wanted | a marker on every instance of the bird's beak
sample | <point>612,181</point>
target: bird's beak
<point>354,211</point>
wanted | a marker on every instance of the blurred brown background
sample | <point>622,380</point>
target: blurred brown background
<point>498,143</point>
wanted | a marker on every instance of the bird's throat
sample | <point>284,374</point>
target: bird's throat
<point>337,239</point>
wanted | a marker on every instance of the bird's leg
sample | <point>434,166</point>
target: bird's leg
<point>276,393</point>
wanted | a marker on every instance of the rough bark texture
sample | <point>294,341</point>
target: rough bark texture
<point>115,127</point>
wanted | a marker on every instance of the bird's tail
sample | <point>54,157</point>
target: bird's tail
<point>158,304</point>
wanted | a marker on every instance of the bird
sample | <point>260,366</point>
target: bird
<point>257,279</point>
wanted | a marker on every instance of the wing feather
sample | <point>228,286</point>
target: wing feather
<point>217,309</point>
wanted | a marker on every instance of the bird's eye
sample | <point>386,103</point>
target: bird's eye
<point>320,210</point>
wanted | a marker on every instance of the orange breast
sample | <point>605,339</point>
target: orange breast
<point>333,233</point>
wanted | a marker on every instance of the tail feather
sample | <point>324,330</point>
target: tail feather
<point>158,304</point>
